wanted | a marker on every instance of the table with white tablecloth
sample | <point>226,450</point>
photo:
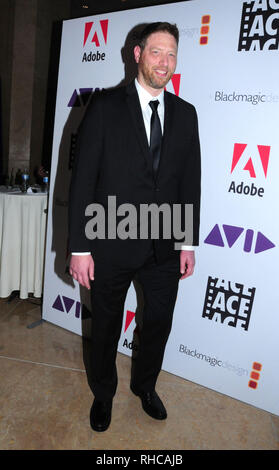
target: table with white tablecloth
<point>22,243</point>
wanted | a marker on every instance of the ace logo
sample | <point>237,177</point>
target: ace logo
<point>228,303</point>
<point>259,29</point>
<point>250,161</point>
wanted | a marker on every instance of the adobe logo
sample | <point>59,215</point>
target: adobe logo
<point>252,162</point>
<point>238,153</point>
<point>227,235</point>
<point>132,345</point>
<point>129,318</point>
<point>174,83</point>
<point>95,31</point>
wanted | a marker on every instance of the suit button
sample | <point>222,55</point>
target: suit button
<point>157,189</point>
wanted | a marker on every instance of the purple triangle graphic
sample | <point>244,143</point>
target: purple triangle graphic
<point>215,237</point>
<point>74,101</point>
<point>232,233</point>
<point>68,303</point>
<point>58,304</point>
<point>263,243</point>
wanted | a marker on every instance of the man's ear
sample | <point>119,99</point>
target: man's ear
<point>137,53</point>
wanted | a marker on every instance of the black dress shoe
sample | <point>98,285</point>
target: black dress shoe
<point>151,404</point>
<point>100,415</point>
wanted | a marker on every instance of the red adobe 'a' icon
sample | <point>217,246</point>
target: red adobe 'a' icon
<point>175,80</point>
<point>129,318</point>
<point>264,152</point>
<point>95,39</point>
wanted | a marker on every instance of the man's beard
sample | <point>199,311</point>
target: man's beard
<point>153,80</point>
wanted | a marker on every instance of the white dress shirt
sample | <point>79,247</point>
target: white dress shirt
<point>145,97</point>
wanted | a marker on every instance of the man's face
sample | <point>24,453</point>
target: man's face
<point>157,61</point>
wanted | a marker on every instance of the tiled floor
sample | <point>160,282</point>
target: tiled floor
<point>45,399</point>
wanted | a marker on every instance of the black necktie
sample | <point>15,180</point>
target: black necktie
<point>155,135</point>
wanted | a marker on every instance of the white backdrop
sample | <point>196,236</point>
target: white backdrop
<point>226,321</point>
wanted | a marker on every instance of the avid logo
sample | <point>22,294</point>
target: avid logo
<point>251,162</point>
<point>71,306</point>
<point>228,303</point>
<point>81,97</point>
<point>96,36</point>
<point>259,28</point>
<point>173,85</point>
<point>65,304</point>
<point>228,235</point>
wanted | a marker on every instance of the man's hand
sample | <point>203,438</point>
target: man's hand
<point>187,263</point>
<point>82,269</point>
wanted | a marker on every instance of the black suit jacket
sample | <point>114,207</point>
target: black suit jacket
<point>112,158</point>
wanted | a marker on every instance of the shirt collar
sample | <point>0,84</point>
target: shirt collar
<point>145,96</point>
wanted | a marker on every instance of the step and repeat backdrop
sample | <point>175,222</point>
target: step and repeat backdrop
<point>226,321</point>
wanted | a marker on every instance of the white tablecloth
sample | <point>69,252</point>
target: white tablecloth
<point>22,243</point>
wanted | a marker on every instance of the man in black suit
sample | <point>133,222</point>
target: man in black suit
<point>140,144</point>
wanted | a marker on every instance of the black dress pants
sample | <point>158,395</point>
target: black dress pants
<point>159,283</point>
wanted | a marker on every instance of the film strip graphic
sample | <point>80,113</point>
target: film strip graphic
<point>259,28</point>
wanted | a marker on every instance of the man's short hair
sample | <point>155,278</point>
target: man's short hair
<point>156,28</point>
